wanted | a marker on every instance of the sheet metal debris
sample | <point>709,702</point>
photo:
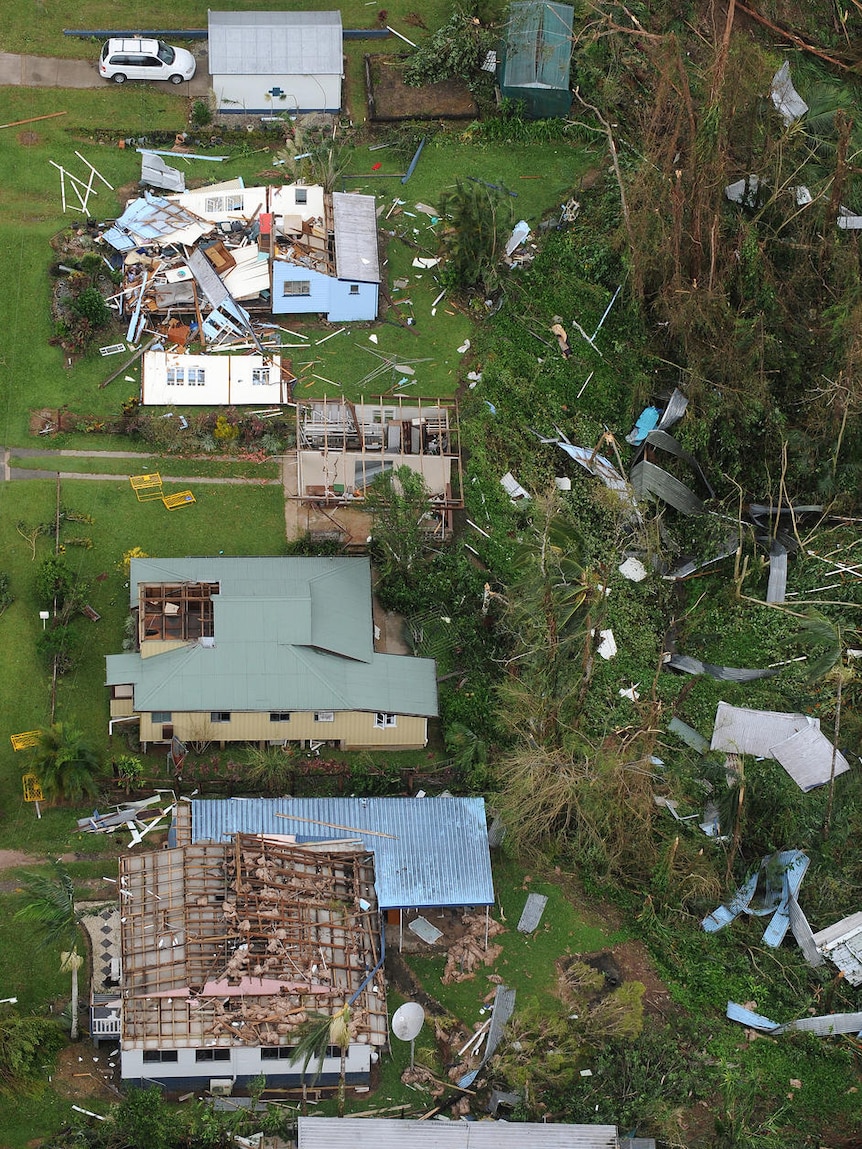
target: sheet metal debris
<point>425,930</point>
<point>520,234</point>
<point>824,1026</point>
<point>787,101</point>
<point>690,665</point>
<point>531,915</point>
<point>633,570</point>
<point>159,174</point>
<point>766,892</point>
<point>517,493</point>
<point>688,735</point>
<point>842,944</point>
<point>745,192</point>
<point>793,740</point>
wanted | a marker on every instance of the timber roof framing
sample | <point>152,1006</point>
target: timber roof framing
<point>236,943</point>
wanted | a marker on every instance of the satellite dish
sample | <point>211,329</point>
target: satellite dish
<point>408,1020</point>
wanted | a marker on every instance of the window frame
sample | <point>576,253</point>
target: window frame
<point>304,286</point>
<point>279,715</point>
<point>324,716</point>
<point>160,717</point>
<point>384,720</point>
<point>220,717</point>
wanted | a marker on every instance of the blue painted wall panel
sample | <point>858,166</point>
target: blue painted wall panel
<point>320,286</point>
<point>344,307</point>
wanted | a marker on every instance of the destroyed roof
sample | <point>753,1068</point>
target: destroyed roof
<point>538,45</point>
<point>276,43</point>
<point>279,929</point>
<point>355,225</point>
<point>154,219</point>
<point>428,851</point>
<point>382,1133</point>
<point>290,633</point>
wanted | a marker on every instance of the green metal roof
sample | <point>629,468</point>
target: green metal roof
<point>538,45</point>
<point>289,634</point>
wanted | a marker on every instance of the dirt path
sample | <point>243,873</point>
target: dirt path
<point>11,472</point>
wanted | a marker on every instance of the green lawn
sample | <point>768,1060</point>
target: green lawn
<point>527,961</point>
<point>236,520</point>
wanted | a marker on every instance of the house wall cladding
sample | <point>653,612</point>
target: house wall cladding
<point>244,1064</point>
<point>353,729</point>
<point>331,297</point>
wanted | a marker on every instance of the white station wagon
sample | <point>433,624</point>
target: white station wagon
<point>122,60</point>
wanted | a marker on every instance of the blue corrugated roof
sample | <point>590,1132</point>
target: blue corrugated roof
<point>436,855</point>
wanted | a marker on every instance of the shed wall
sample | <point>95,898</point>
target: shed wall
<point>244,95</point>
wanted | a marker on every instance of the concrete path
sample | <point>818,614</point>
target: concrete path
<point>10,472</point>
<point>48,72</point>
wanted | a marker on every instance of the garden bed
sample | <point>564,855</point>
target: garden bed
<point>389,98</point>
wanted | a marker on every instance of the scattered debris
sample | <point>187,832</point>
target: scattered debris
<point>464,348</point>
<point>688,735</point>
<point>520,234</point>
<point>690,665</point>
<point>824,1026</point>
<point>630,692</point>
<point>607,648</point>
<point>531,915</point>
<point>563,339</point>
<point>842,944</point>
<point>787,101</point>
<point>425,930</point>
<point>766,892</point>
<point>794,740</point>
<point>470,951</point>
<point>633,570</point>
<point>425,262</point>
<point>745,192</point>
<point>158,174</point>
<point>647,421</point>
<point>517,493</point>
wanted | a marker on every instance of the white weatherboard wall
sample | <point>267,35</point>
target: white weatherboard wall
<point>244,1062</point>
<point>176,380</point>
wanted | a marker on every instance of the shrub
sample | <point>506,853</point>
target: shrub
<point>90,305</point>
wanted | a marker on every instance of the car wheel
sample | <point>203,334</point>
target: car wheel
<point>176,79</point>
<point>118,78</point>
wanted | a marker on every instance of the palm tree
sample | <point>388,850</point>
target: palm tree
<point>322,1032</point>
<point>53,911</point>
<point>66,764</point>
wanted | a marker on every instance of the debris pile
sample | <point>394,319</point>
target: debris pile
<point>469,951</point>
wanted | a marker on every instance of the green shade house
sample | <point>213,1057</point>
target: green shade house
<point>535,58</point>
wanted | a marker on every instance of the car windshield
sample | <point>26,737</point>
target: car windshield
<point>166,53</point>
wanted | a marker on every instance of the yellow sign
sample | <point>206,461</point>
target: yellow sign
<point>25,740</point>
<point>32,788</point>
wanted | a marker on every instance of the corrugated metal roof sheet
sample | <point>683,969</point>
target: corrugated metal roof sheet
<point>355,224</point>
<point>437,854</point>
<point>290,634</point>
<point>276,43</point>
<point>538,45</point>
<point>154,220</point>
<point>794,740</point>
<point>379,1133</point>
<point>842,944</point>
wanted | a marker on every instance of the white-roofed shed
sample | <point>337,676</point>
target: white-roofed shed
<point>270,62</point>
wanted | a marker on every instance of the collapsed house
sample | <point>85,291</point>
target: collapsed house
<point>342,447</point>
<point>230,949</point>
<point>430,854</point>
<point>270,650</point>
<point>222,254</point>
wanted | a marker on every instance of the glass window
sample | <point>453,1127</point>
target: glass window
<point>324,716</point>
<point>381,720</point>
<point>212,1055</point>
<point>175,376</point>
<point>296,287</point>
<point>166,53</point>
<point>300,195</point>
<point>220,716</point>
<point>233,202</point>
<point>280,716</point>
<point>160,1055</point>
<point>196,375</point>
<point>260,375</point>
<point>354,289</point>
<point>161,716</point>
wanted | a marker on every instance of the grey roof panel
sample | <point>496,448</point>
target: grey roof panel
<point>275,43</point>
<point>380,1133</point>
<point>355,225</point>
<point>427,851</point>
